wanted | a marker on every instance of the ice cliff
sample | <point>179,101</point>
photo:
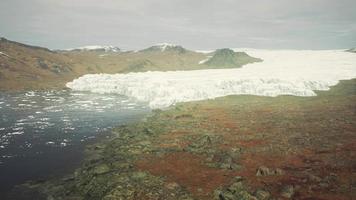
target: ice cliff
<point>283,72</point>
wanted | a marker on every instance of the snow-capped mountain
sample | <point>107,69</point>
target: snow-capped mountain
<point>97,48</point>
<point>164,47</point>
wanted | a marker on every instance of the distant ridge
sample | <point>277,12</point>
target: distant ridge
<point>4,40</point>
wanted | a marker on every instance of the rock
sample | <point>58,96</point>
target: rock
<point>331,178</point>
<point>172,185</point>
<point>265,171</point>
<point>210,158</point>
<point>204,141</point>
<point>235,166</point>
<point>237,186</point>
<point>225,166</point>
<point>236,191</point>
<point>230,166</point>
<point>101,169</point>
<point>314,178</point>
<point>222,160</point>
<point>287,191</point>
<point>139,175</point>
<point>324,185</point>
<point>68,178</point>
<point>278,172</point>
<point>235,152</point>
<point>202,144</point>
<point>238,178</point>
<point>148,131</point>
<point>262,194</point>
<point>226,196</point>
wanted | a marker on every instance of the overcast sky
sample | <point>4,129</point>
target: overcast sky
<point>195,24</point>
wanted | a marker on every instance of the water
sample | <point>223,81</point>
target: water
<point>43,134</point>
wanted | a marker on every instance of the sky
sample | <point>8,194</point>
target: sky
<point>194,24</point>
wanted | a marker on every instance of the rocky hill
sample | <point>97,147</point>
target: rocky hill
<point>227,58</point>
<point>352,50</point>
<point>30,67</point>
<point>25,67</point>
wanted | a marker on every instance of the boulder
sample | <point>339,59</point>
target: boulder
<point>265,171</point>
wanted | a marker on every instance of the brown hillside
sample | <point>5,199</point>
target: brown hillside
<point>30,67</point>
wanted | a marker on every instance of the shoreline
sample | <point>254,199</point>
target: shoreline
<point>243,147</point>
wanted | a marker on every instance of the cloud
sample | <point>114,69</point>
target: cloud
<point>196,24</point>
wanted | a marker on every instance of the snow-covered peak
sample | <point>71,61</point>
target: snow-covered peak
<point>97,48</point>
<point>164,46</point>
<point>204,51</point>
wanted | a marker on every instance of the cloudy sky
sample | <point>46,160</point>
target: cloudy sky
<point>195,24</point>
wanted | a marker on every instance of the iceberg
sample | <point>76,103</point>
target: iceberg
<point>282,72</point>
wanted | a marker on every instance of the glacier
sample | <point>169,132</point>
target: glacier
<point>282,72</point>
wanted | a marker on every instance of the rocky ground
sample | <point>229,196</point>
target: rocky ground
<point>236,147</point>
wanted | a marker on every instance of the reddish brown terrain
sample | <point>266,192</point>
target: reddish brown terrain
<point>307,145</point>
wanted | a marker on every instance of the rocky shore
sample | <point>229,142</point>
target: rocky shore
<point>235,147</point>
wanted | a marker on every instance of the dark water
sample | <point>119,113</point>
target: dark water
<point>43,134</point>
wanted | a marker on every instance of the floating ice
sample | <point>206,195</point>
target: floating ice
<point>16,133</point>
<point>30,94</point>
<point>49,143</point>
<point>63,144</point>
<point>17,129</point>
<point>283,72</point>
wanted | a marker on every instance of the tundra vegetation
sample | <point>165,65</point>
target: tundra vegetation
<point>234,147</point>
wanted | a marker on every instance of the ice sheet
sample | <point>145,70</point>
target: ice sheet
<point>283,72</point>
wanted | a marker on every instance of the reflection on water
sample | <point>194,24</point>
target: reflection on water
<point>44,132</point>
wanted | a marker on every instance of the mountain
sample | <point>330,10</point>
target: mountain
<point>30,67</point>
<point>97,48</point>
<point>352,50</point>
<point>25,66</point>
<point>227,58</point>
<point>165,47</point>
